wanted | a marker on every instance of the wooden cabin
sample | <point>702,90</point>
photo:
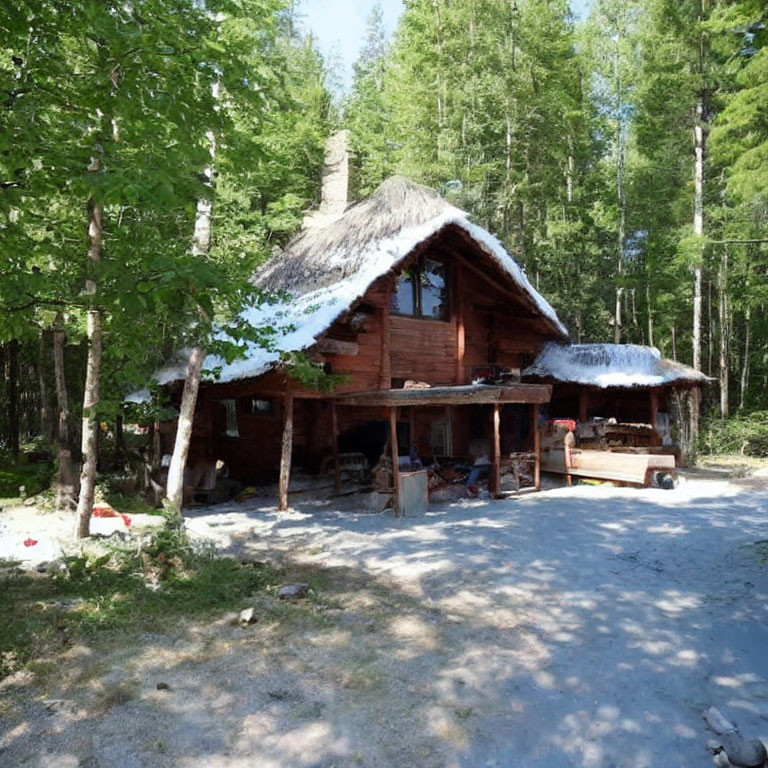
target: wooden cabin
<point>404,303</point>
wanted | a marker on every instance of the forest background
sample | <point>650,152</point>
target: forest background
<point>153,154</point>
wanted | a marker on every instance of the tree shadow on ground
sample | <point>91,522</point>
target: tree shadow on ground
<point>584,627</point>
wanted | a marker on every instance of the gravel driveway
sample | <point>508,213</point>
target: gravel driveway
<point>588,626</point>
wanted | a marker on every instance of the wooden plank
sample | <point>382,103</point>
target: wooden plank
<point>496,467</point>
<point>335,447</point>
<point>464,395</point>
<point>583,403</point>
<point>337,347</point>
<point>395,461</point>
<point>286,449</point>
<point>460,333</point>
<point>654,406</point>
<point>536,446</point>
<point>385,365</point>
<point>310,419</point>
<point>604,465</point>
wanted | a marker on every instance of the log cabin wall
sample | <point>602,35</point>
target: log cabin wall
<point>487,326</point>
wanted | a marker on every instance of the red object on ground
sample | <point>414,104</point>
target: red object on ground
<point>126,520</point>
<point>104,511</point>
<point>30,542</point>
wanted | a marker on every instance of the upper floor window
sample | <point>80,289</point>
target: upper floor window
<point>422,291</point>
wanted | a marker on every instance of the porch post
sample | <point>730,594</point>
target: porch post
<point>286,449</point>
<point>583,401</point>
<point>460,333</point>
<point>536,447</point>
<point>335,446</point>
<point>654,407</point>
<point>395,462</point>
<point>496,468</point>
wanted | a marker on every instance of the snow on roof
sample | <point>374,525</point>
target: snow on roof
<point>610,365</point>
<point>327,269</point>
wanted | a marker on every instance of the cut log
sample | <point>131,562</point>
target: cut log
<point>536,446</point>
<point>338,347</point>
<point>496,467</point>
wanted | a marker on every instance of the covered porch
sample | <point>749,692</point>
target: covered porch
<point>410,407</point>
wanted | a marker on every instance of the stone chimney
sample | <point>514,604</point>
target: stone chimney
<point>333,202</point>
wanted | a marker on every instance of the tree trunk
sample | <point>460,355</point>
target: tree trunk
<point>175,487</point>
<point>286,449</point>
<point>90,443</point>
<point>698,231</point>
<point>650,312</point>
<point>201,245</point>
<point>722,286</point>
<point>710,326</point>
<point>674,343</point>
<point>119,441</point>
<point>745,365</point>
<point>13,398</point>
<point>46,420</point>
<point>66,490</point>
<point>620,162</point>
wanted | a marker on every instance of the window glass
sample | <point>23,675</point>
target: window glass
<point>230,411</point>
<point>434,296</point>
<point>403,299</point>
<point>262,407</point>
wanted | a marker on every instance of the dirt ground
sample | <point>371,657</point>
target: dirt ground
<point>589,626</point>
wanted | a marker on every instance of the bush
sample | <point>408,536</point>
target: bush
<point>745,434</point>
<point>34,477</point>
<point>123,590</point>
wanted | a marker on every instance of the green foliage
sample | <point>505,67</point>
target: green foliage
<point>121,591</point>
<point>34,478</point>
<point>745,434</point>
<point>135,95</point>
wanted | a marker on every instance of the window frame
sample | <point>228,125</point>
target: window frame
<point>417,270</point>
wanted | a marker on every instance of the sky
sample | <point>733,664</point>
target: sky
<point>339,26</point>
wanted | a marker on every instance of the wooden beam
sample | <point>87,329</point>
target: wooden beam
<point>654,406</point>
<point>583,403</point>
<point>458,293</point>
<point>395,461</point>
<point>464,395</point>
<point>286,449</point>
<point>335,447</point>
<point>519,295</point>
<point>496,466</point>
<point>337,347</point>
<point>536,446</point>
<point>385,364</point>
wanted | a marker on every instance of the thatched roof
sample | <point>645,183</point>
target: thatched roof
<point>610,365</point>
<point>322,255</point>
<point>327,268</point>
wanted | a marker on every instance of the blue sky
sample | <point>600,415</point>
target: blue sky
<point>339,25</point>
